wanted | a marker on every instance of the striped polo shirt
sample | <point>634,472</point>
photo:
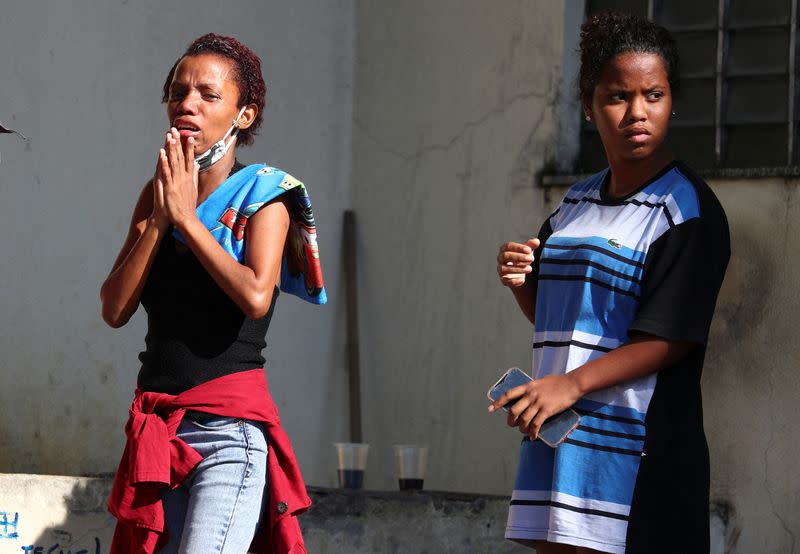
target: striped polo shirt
<point>609,267</point>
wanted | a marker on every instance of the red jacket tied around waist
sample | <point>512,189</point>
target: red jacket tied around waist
<point>155,459</point>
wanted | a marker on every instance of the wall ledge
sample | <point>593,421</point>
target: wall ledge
<point>51,513</point>
<point>555,180</point>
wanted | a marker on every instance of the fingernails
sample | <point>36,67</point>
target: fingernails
<point>491,408</point>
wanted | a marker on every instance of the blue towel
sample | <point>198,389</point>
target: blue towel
<point>226,211</point>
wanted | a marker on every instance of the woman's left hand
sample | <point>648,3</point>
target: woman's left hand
<point>538,400</point>
<point>180,173</point>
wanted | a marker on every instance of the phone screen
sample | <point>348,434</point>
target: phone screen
<point>514,377</point>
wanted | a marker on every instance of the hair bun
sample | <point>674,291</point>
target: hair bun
<point>608,33</point>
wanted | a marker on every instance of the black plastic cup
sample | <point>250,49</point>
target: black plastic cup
<point>411,462</point>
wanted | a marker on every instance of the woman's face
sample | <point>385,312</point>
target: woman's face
<point>631,106</point>
<point>203,99</point>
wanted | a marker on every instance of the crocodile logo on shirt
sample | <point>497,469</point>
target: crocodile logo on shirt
<point>615,243</point>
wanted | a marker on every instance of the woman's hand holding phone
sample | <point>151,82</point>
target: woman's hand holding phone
<point>514,262</point>
<point>538,400</point>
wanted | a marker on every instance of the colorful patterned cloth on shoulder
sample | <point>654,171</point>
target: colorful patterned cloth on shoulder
<point>226,211</point>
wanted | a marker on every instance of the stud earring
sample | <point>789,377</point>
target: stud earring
<point>589,118</point>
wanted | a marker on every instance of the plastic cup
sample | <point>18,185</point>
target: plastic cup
<point>411,462</point>
<point>352,461</point>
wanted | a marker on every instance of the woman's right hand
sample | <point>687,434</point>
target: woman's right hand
<point>159,216</point>
<point>514,262</point>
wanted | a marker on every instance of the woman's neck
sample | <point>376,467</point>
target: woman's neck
<point>209,180</point>
<point>629,175</point>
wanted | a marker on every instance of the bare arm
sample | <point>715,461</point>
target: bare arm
<point>545,397</point>
<point>525,295</point>
<point>122,289</point>
<point>642,356</point>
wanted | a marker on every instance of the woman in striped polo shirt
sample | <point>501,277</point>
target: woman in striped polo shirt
<point>621,284</point>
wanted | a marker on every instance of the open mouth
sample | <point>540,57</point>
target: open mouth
<point>186,129</point>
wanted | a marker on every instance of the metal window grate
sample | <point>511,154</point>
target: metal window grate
<point>738,103</point>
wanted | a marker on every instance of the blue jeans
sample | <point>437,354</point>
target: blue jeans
<point>219,505</point>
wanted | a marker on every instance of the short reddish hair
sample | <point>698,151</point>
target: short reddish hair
<point>247,74</point>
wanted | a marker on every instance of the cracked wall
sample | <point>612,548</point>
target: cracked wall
<point>455,112</point>
<point>751,383</point>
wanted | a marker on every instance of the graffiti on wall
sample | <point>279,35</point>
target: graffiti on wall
<point>58,549</point>
<point>9,529</point>
<point>9,525</point>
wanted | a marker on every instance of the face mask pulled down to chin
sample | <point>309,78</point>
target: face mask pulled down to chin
<point>219,148</point>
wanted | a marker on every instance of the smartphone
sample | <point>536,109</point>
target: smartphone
<point>556,428</point>
<point>514,377</point>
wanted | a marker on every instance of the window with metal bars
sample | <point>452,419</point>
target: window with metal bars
<point>737,107</point>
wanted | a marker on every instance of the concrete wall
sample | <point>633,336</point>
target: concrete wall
<point>54,514</point>
<point>66,515</point>
<point>751,382</point>
<point>50,514</point>
<point>83,80</point>
<point>454,114</point>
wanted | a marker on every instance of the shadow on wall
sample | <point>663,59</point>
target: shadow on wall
<point>85,527</point>
<point>725,529</point>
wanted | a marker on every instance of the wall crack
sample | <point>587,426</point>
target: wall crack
<point>767,488</point>
<point>423,150</point>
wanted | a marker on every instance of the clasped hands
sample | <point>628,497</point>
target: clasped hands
<point>175,182</point>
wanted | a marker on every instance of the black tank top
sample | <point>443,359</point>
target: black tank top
<point>195,333</point>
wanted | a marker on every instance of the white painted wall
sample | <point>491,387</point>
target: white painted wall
<point>455,113</point>
<point>83,80</point>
